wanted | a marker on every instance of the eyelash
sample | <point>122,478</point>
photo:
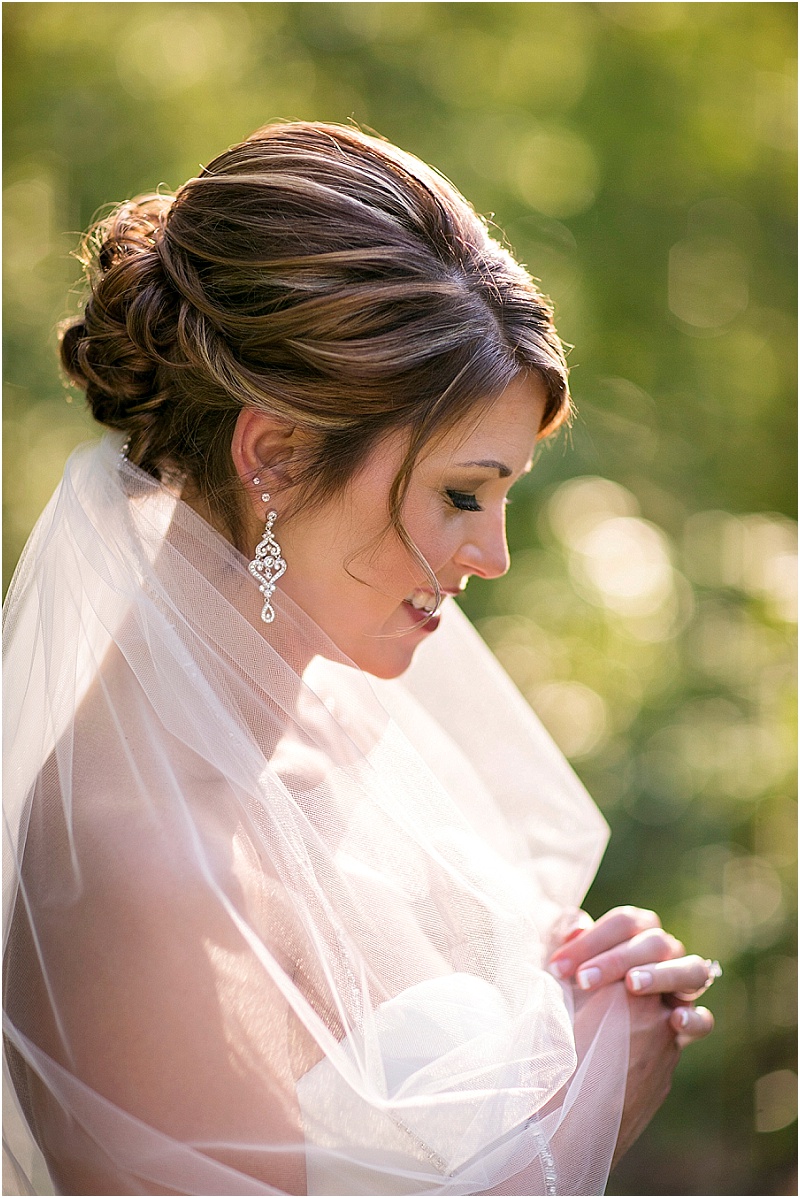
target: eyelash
<point>463,501</point>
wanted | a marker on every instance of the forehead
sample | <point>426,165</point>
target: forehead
<point>504,429</point>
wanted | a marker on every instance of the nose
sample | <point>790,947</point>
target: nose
<point>486,554</point>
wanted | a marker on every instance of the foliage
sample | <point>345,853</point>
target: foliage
<point>640,158</point>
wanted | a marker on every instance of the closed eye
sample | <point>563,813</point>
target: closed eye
<point>464,501</point>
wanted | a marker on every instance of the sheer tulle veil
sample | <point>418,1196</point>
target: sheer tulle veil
<point>272,925</point>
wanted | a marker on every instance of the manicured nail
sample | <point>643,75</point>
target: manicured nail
<point>559,969</point>
<point>683,1016</point>
<point>586,978</point>
<point>640,979</point>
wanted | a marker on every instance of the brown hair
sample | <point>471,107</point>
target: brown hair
<point>316,273</point>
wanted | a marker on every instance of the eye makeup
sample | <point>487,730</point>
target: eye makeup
<point>463,500</point>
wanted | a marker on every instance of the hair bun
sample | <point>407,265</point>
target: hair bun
<point>117,349</point>
<point>72,334</point>
<point>133,228</point>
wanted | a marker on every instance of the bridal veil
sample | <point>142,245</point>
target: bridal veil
<point>272,925</point>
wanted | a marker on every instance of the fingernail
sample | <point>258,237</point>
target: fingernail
<point>559,969</point>
<point>640,979</point>
<point>586,978</point>
<point>683,1016</point>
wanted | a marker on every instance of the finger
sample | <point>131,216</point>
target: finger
<point>583,921</point>
<point>569,925</point>
<point>654,945</point>
<point>646,950</point>
<point>615,927</point>
<point>685,977</point>
<point>691,1024</point>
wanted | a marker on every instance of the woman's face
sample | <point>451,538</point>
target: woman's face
<point>357,586</point>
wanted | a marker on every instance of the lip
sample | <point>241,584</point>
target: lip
<point>444,591</point>
<point>425,621</point>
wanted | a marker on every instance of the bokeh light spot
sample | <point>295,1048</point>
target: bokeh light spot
<point>755,884</point>
<point>174,52</point>
<point>627,561</point>
<point>776,1100</point>
<point>556,172</point>
<point>708,284</point>
<point>775,110</point>
<point>574,715</point>
<point>755,553</point>
<point>578,506</point>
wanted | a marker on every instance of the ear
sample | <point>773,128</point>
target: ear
<point>263,447</point>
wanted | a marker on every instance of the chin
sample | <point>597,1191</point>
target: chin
<point>387,662</point>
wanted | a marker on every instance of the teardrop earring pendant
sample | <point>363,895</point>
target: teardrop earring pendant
<point>268,565</point>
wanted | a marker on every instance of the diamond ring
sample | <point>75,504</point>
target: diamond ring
<point>714,971</point>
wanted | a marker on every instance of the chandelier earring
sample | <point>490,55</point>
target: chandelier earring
<point>268,565</point>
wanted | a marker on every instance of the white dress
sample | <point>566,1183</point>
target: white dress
<point>273,926</point>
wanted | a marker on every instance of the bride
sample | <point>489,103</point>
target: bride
<point>292,902</point>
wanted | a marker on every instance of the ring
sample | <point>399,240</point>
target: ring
<point>714,971</point>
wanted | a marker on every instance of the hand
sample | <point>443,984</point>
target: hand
<point>654,1053</point>
<point>629,943</point>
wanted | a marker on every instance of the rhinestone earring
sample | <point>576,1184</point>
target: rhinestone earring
<point>268,565</point>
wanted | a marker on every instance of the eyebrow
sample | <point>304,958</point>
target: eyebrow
<point>504,470</point>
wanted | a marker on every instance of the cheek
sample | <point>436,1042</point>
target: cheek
<point>388,568</point>
<point>436,534</point>
<point>435,537</point>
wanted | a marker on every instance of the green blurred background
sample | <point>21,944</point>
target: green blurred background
<point>641,160</point>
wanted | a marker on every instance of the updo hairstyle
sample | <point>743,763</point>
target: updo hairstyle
<point>315,273</point>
